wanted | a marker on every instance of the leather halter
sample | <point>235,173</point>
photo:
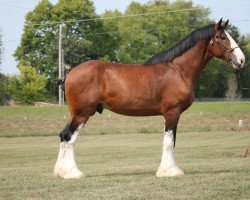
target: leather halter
<point>227,50</point>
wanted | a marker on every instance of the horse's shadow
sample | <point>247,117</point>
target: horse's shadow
<point>129,173</point>
<point>211,172</point>
<point>152,173</point>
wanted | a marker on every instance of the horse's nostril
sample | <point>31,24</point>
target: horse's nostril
<point>241,61</point>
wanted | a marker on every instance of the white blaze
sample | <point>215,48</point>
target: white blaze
<point>240,58</point>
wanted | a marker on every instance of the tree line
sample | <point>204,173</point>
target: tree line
<point>130,37</point>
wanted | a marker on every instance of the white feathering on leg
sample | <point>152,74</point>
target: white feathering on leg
<point>168,166</point>
<point>65,166</point>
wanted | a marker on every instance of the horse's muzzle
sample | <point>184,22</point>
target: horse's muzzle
<point>238,63</point>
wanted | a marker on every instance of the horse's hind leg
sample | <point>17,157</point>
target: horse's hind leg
<point>65,166</point>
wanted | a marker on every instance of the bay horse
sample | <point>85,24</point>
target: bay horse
<point>163,85</point>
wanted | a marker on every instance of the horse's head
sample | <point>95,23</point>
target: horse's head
<point>222,45</point>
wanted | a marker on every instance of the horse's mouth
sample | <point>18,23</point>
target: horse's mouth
<point>236,65</point>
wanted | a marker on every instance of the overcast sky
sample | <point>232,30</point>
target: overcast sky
<point>12,13</point>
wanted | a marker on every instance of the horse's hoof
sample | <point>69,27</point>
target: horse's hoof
<point>73,174</point>
<point>172,171</point>
<point>78,175</point>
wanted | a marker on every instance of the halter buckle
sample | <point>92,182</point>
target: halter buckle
<point>211,41</point>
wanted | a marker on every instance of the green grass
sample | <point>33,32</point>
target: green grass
<point>120,155</point>
<point>123,167</point>
<point>50,120</point>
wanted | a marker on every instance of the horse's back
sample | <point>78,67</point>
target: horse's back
<point>94,71</point>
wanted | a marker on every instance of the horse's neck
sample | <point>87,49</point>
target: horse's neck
<point>193,61</point>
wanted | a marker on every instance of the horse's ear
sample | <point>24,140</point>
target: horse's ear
<point>219,24</point>
<point>218,27</point>
<point>225,24</point>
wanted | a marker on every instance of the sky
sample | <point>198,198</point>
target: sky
<point>12,15</point>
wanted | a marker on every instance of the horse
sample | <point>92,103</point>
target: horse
<point>162,85</point>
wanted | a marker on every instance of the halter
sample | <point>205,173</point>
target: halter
<point>228,51</point>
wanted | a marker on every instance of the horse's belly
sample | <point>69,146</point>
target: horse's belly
<point>135,112</point>
<point>131,107</point>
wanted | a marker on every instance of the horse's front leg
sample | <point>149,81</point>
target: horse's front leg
<point>168,166</point>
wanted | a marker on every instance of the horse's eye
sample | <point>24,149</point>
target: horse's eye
<point>223,37</point>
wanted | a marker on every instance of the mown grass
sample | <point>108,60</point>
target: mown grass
<point>123,167</point>
<point>50,120</point>
<point>120,155</point>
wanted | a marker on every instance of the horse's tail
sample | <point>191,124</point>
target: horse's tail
<point>61,83</point>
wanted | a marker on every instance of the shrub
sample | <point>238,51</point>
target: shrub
<point>27,87</point>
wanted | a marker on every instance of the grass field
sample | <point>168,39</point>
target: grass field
<point>120,155</point>
<point>49,121</point>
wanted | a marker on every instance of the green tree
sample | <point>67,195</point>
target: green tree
<point>3,95</point>
<point>27,87</point>
<point>39,42</point>
<point>145,35</point>
<point>81,39</point>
